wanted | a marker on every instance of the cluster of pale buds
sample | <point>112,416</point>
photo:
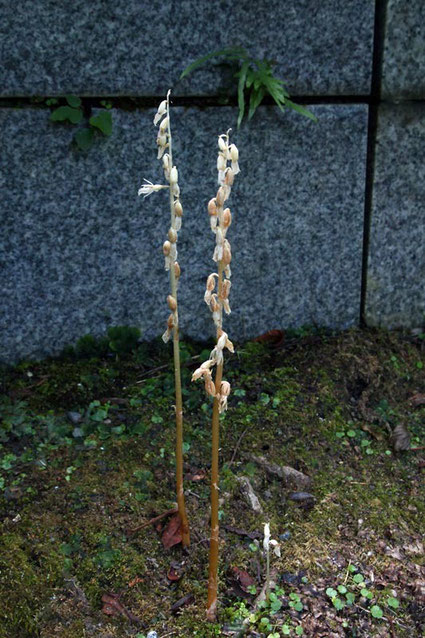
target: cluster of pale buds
<point>169,247</point>
<point>204,371</point>
<point>220,221</point>
<point>270,542</point>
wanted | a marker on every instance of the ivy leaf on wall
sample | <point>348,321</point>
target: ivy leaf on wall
<point>73,101</point>
<point>84,138</point>
<point>102,121</point>
<point>63,113</point>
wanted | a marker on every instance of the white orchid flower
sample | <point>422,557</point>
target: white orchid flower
<point>149,188</point>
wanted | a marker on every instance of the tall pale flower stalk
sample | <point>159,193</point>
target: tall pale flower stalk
<point>217,298</point>
<point>165,154</point>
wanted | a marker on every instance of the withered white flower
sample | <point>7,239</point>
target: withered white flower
<point>149,188</point>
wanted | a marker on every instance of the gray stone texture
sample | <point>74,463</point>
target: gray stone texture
<point>129,47</point>
<point>403,73</point>
<point>396,270</point>
<point>80,251</point>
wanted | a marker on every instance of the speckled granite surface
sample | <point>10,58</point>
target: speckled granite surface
<point>80,251</point>
<point>396,273</point>
<point>403,73</point>
<point>129,47</point>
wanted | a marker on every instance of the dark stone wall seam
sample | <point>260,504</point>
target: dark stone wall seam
<point>375,101</point>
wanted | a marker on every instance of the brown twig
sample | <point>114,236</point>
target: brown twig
<point>152,521</point>
<point>238,442</point>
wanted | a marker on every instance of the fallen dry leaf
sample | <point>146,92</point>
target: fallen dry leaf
<point>242,577</point>
<point>112,607</point>
<point>274,338</point>
<point>417,399</point>
<point>198,475</point>
<point>172,534</point>
<point>186,600</point>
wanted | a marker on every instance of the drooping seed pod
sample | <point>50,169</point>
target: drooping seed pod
<point>172,303</point>
<point>177,270</point>
<point>172,235</point>
<point>166,248</point>
<point>178,208</point>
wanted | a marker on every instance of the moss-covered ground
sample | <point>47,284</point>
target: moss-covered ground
<point>87,455</point>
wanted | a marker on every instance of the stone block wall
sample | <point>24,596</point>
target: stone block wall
<point>328,223</point>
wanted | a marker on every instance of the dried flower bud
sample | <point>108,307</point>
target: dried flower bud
<point>229,177</point>
<point>226,306</point>
<point>222,340</point>
<point>166,161</point>
<point>211,281</point>
<point>170,321</point>
<point>212,207</point>
<point>227,253</point>
<point>215,306</point>
<point>172,303</point>
<point>177,270</point>
<point>225,288</point>
<point>166,248</point>
<point>225,388</point>
<point>174,176</point>
<point>227,217</point>
<point>178,208</point>
<point>172,235</point>
<point>209,385</point>
<point>221,196</point>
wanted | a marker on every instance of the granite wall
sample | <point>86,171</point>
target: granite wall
<point>328,223</point>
